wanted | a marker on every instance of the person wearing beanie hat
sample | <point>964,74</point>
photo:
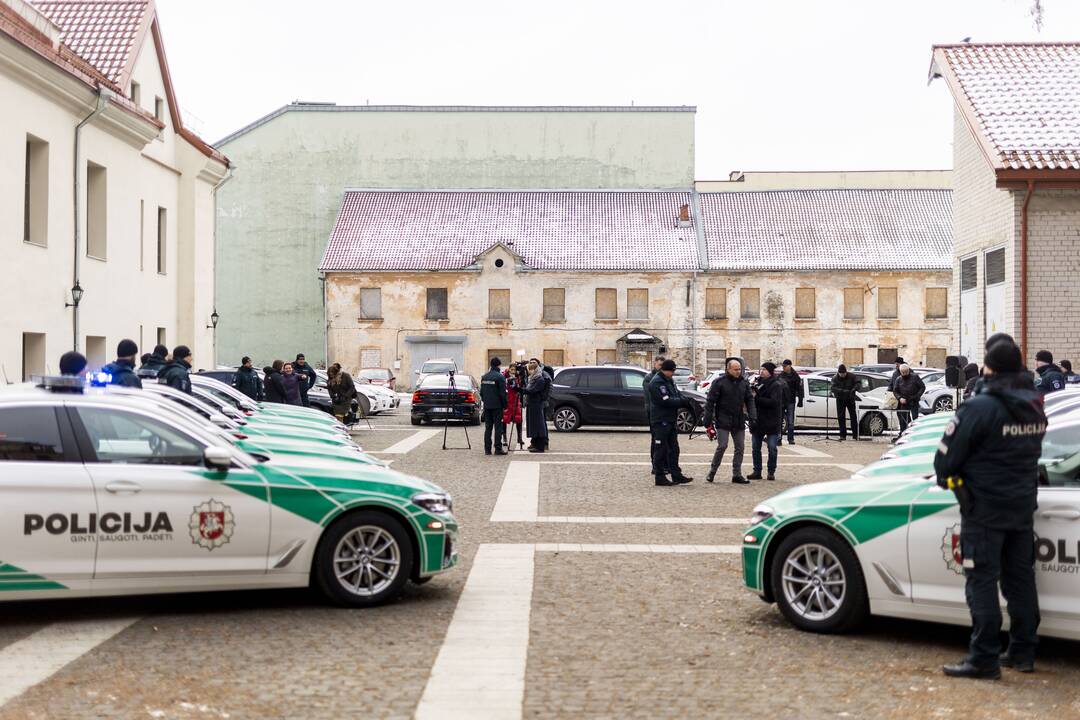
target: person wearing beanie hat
<point>153,365</point>
<point>247,381</point>
<point>769,402</point>
<point>665,401</point>
<point>1048,376</point>
<point>843,388</point>
<point>493,395</point>
<point>1071,378</point>
<point>122,369</point>
<point>177,373</point>
<point>307,377</point>
<point>896,373</point>
<point>991,447</point>
<point>72,363</point>
<point>793,397</point>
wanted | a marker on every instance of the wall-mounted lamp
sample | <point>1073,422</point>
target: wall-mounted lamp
<point>76,295</point>
<point>214,317</point>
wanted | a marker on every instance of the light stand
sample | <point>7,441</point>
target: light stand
<point>829,399</point>
<point>451,403</point>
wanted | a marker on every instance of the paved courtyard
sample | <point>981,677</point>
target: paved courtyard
<point>584,592</point>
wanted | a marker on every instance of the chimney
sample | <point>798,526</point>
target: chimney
<point>684,216</point>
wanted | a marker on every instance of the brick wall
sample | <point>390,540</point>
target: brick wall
<point>1054,273</point>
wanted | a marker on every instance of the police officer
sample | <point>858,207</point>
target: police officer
<point>177,373</point>
<point>664,403</point>
<point>308,378</point>
<point>1048,376</point>
<point>992,446</point>
<point>656,363</point>
<point>155,362</point>
<point>493,395</point>
<point>123,368</point>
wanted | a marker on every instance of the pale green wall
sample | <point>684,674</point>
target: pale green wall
<point>276,213</point>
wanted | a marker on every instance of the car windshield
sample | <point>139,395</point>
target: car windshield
<point>375,374</point>
<point>437,367</point>
<point>1061,441</point>
<point>462,382</point>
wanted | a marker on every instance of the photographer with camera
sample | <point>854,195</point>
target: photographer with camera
<point>515,377</point>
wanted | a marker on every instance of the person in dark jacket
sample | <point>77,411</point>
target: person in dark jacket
<point>769,395</point>
<point>1048,376</point>
<point>665,400</point>
<point>512,412</point>
<point>843,389</point>
<point>993,444</point>
<point>535,391</point>
<point>1071,378</point>
<point>247,381</point>
<point>793,397</point>
<point>727,407</point>
<point>273,387</point>
<point>122,369</point>
<point>493,395</point>
<point>291,382</point>
<point>151,367</point>
<point>657,362</point>
<point>342,391</point>
<point>72,364</point>
<point>909,389</point>
<point>971,377</point>
<point>895,374</point>
<point>307,377</point>
<point>177,373</point>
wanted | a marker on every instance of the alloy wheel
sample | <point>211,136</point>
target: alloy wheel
<point>565,419</point>
<point>366,560</point>
<point>814,583</point>
<point>684,421</point>
<point>942,404</point>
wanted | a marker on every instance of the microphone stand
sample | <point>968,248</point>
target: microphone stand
<point>451,402</point>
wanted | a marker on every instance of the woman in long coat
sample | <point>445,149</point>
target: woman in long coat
<point>512,412</point>
<point>342,390</point>
<point>535,389</point>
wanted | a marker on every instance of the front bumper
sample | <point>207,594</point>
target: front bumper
<point>440,545</point>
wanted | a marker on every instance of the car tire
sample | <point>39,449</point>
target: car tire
<point>684,421</point>
<point>365,404</point>
<point>356,538</point>
<point>416,420</point>
<point>873,424</point>
<point>942,404</point>
<point>475,420</point>
<point>823,589</point>
<point>566,418</point>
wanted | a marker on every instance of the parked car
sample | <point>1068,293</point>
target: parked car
<point>318,397</point>
<point>607,395</point>
<point>684,378</point>
<point>438,366</point>
<point>435,400</point>
<point>819,405</point>
<point>377,376</point>
<point>886,368</point>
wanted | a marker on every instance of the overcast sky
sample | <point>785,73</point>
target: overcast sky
<point>779,84</point>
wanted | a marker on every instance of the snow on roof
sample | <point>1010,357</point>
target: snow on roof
<point>1023,97</point>
<point>102,32</point>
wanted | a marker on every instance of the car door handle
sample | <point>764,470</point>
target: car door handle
<point>123,486</point>
<point>1061,514</point>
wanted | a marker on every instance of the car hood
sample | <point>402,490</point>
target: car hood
<point>340,478</point>
<point>840,497</point>
<point>921,465</point>
<point>272,446</point>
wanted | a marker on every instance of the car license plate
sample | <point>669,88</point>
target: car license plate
<point>441,410</point>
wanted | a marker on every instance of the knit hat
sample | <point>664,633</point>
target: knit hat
<point>300,356</point>
<point>842,368</point>
<point>1044,356</point>
<point>787,363</point>
<point>1004,357</point>
<point>495,362</point>
<point>72,363</point>
<point>770,366</point>
<point>127,348</point>
<point>899,360</point>
<point>181,352</point>
<point>668,365</point>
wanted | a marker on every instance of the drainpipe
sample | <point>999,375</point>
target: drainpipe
<point>103,96</point>
<point>214,192</point>
<point>1023,269</point>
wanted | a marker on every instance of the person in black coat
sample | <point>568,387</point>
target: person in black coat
<point>273,388</point>
<point>1048,376</point>
<point>293,383</point>
<point>843,389</point>
<point>177,373</point>
<point>727,407</point>
<point>306,377</point>
<point>665,401</point>
<point>909,389</point>
<point>153,365</point>
<point>769,402</point>
<point>493,395</point>
<point>971,377</point>
<point>122,369</point>
<point>536,392</point>
<point>247,381</point>
<point>657,362</point>
<point>793,397</point>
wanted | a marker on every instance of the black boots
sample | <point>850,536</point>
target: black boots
<point>964,669</point>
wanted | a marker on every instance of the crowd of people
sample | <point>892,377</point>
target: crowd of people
<point>521,391</point>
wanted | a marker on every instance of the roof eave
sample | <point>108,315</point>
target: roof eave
<point>940,67</point>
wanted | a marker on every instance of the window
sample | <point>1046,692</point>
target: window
<point>33,355</point>
<point>805,303</point>
<point>995,266</point>
<point>123,437</point>
<point>607,304</point>
<point>1059,442</point>
<point>752,359</point>
<point>935,358</point>
<point>370,303</point>
<point>715,303</point>
<point>142,236</point>
<point>605,357</point>
<point>372,358</point>
<point>853,303</point>
<point>162,239</point>
<point>637,304</point>
<point>502,353</point>
<point>95,352</point>
<point>819,387</point>
<point>96,211</point>
<point>886,356</point>
<point>555,304</point>
<point>499,304</point>
<point>569,378</point>
<point>886,303</point>
<point>937,303</point>
<point>554,358</point>
<point>853,356</point>
<point>806,357</point>
<point>969,271</point>
<point>161,336</point>
<point>136,94</point>
<point>159,109</point>
<point>714,359</point>
<point>632,380</point>
<point>36,192</point>
<point>436,304</point>
<point>749,303</point>
<point>30,434</point>
<point>599,379</point>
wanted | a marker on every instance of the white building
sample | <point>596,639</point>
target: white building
<point>101,188</point>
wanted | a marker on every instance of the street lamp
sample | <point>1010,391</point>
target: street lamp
<point>76,295</point>
<point>214,317</point>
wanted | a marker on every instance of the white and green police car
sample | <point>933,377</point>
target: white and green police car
<point>102,494</point>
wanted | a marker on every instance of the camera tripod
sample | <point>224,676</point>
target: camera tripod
<point>451,403</point>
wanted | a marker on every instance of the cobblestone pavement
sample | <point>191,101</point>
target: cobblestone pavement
<point>611,634</point>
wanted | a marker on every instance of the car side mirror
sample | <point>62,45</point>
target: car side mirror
<point>219,419</point>
<point>217,458</point>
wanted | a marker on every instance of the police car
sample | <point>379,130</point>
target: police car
<point>887,542</point>
<point>106,494</point>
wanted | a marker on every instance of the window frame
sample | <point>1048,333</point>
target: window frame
<point>369,291</point>
<point>926,306</point>
<point>813,303</point>
<point>491,305</point>
<point>743,297</point>
<point>630,315</point>
<point>162,241</point>
<point>69,451</point>
<point>614,299</point>
<point>89,452</point>
<point>849,292</point>
<point>428,302</point>
<point>895,302</point>
<point>722,306</point>
<point>546,304</point>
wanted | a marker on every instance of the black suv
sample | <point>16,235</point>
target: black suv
<point>607,395</point>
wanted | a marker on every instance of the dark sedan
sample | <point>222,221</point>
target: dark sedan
<point>434,400</point>
<point>606,395</point>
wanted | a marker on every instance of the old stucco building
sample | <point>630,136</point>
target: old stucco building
<point>91,130</point>
<point>1016,196</point>
<point>579,277</point>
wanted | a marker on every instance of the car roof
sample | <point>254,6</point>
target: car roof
<point>559,371</point>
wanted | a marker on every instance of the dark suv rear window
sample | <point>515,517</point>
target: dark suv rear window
<point>567,377</point>
<point>30,434</point>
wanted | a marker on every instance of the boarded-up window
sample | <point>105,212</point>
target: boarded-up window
<point>853,356</point>
<point>436,304</point>
<point>555,304</point>
<point>749,303</point>
<point>937,303</point>
<point>805,303</point>
<point>607,304</point>
<point>853,303</point>
<point>370,304</point>
<point>715,359</point>
<point>752,358</point>
<point>886,355</point>
<point>995,266</point>
<point>806,357</point>
<point>886,303</point>
<point>935,357</point>
<point>498,304</point>
<point>715,303</point>
<point>605,357</point>
<point>554,358</point>
<point>969,271</point>
<point>370,357</point>
<point>502,353</point>
<point>637,304</point>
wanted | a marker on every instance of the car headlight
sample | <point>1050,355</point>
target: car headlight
<point>434,502</point>
<point>761,514</point>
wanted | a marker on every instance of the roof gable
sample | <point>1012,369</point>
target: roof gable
<point>105,33</point>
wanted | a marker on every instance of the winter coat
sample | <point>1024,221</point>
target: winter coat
<point>308,378</point>
<point>247,381</point>
<point>843,388</point>
<point>664,399</point>
<point>793,387</point>
<point>123,374</point>
<point>291,384</point>
<point>535,391</point>
<point>909,388</point>
<point>176,376</point>
<point>342,393</point>
<point>152,367</point>
<point>512,412</point>
<point>645,384</point>
<point>729,403</point>
<point>273,387</point>
<point>971,377</point>
<point>493,390</point>
<point>769,402</point>
<point>1049,378</point>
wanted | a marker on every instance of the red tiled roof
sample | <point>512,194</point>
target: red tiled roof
<point>548,229</point>
<point>828,230</point>
<point>103,32</point>
<point>1024,99</point>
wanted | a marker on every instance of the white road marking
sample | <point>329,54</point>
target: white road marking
<point>410,443</point>
<point>849,468</point>
<point>591,520</point>
<point>611,548</point>
<point>810,453</point>
<point>37,657</point>
<point>626,462</point>
<point>480,670</point>
<point>519,496</point>
<point>805,451</point>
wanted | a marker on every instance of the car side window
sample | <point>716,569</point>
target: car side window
<point>865,383</point>
<point>569,378</point>
<point>600,379</point>
<point>121,437</point>
<point>632,380</point>
<point>819,387</point>
<point>30,434</point>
